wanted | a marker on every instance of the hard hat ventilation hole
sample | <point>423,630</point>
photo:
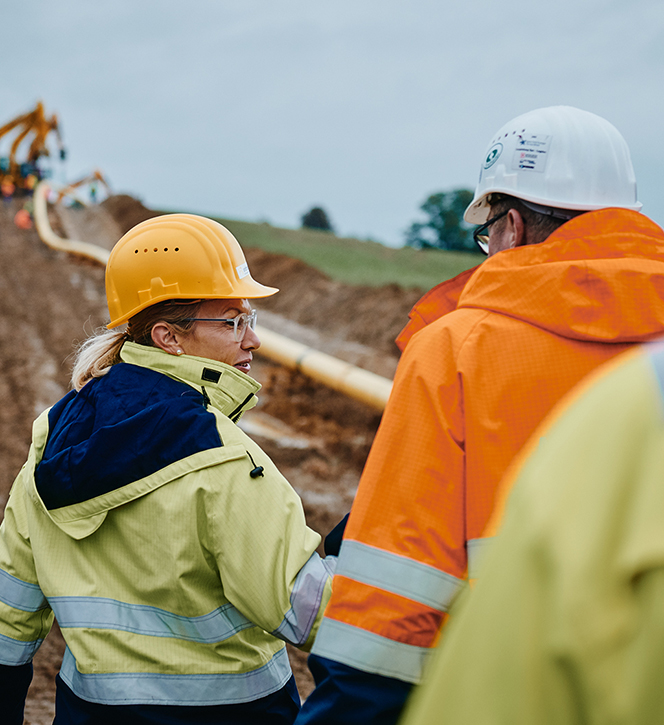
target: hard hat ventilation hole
<point>156,249</point>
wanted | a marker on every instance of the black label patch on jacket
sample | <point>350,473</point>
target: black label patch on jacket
<point>210,376</point>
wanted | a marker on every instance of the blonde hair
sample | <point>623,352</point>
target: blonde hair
<point>97,355</point>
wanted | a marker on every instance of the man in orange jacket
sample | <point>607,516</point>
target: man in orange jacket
<point>575,276</point>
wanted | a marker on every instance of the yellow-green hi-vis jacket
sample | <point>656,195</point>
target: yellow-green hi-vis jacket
<point>566,623</point>
<point>172,552</point>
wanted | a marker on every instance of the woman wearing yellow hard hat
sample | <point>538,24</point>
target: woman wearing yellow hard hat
<point>172,552</point>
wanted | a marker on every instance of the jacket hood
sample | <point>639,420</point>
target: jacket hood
<point>599,277</point>
<point>145,423</point>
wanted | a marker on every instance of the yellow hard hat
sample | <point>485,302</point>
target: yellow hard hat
<point>176,256</point>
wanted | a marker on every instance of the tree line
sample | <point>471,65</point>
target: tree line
<point>442,228</point>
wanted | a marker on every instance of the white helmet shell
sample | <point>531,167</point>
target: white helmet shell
<point>560,157</point>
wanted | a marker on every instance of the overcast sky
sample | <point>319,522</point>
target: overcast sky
<point>261,109</point>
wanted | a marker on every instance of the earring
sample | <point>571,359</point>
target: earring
<point>179,352</point>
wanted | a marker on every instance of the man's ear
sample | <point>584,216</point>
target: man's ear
<point>166,338</point>
<point>515,228</point>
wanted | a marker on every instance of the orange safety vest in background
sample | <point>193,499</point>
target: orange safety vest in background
<point>470,388</point>
<point>438,301</point>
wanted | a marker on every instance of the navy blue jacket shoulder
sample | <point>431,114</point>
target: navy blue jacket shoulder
<point>118,429</point>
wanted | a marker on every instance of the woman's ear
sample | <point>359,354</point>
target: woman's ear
<point>166,338</point>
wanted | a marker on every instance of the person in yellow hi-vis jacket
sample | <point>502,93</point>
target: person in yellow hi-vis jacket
<point>173,554</point>
<point>566,623</point>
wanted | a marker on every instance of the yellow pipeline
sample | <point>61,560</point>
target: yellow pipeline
<point>337,374</point>
<point>51,239</point>
<point>355,382</point>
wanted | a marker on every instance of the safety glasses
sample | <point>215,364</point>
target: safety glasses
<point>243,322</point>
<point>481,234</point>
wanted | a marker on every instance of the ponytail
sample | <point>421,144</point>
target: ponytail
<point>97,355</point>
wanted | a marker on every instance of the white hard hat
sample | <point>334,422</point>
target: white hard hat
<point>560,157</point>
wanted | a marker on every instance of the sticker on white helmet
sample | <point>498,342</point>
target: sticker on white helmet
<point>531,152</point>
<point>492,156</point>
<point>243,270</point>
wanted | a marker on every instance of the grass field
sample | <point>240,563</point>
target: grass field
<point>354,261</point>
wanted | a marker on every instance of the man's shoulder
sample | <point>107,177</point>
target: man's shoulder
<point>447,341</point>
<point>437,302</point>
<point>456,322</point>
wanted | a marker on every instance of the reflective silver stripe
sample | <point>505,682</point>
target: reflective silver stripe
<point>14,652</point>
<point>397,574</point>
<point>476,549</point>
<point>369,652</point>
<point>656,353</point>
<point>137,688</point>
<point>102,613</point>
<point>19,594</point>
<point>305,600</point>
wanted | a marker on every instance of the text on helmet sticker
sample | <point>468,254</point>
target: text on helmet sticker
<point>242,270</point>
<point>531,152</point>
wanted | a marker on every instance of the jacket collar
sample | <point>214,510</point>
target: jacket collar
<point>229,391</point>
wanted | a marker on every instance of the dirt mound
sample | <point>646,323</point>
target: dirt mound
<point>127,211</point>
<point>49,301</point>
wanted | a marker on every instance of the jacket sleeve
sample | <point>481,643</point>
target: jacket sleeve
<point>25,617</point>
<point>403,557</point>
<point>265,552</point>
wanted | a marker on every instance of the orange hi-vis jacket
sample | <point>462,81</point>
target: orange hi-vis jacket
<point>470,388</point>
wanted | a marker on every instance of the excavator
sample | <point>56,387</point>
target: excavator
<point>92,179</point>
<point>24,174</point>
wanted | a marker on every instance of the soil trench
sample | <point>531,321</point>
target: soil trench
<point>319,439</point>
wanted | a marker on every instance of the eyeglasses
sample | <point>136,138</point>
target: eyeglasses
<point>243,322</point>
<point>481,235</point>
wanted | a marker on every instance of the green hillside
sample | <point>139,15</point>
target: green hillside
<point>354,261</point>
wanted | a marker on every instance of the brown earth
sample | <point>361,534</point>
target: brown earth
<point>49,301</point>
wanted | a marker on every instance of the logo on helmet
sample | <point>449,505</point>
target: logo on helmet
<point>493,155</point>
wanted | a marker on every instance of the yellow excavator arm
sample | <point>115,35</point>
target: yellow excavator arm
<point>95,176</point>
<point>42,128</point>
<point>35,122</point>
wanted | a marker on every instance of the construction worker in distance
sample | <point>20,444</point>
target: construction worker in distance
<point>575,276</point>
<point>566,623</point>
<point>7,188</point>
<point>173,554</point>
